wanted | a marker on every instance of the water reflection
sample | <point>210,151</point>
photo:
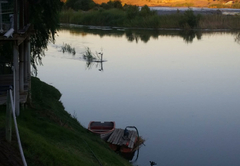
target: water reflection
<point>88,56</point>
<point>92,59</point>
<point>188,36</point>
<point>184,98</point>
<point>136,35</point>
<point>133,160</point>
<point>237,38</point>
<point>144,36</point>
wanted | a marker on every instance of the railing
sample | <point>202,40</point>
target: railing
<point>11,110</point>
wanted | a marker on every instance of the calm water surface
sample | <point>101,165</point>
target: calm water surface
<point>181,92</point>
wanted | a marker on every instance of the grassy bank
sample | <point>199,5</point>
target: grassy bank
<point>51,136</point>
<point>130,17</point>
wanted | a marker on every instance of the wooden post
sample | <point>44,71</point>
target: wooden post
<point>26,61</point>
<point>8,118</point>
<point>16,78</point>
<point>28,68</point>
<point>21,68</point>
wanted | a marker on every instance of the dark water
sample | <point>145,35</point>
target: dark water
<point>180,89</point>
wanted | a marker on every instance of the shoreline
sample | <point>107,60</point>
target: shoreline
<point>163,18</point>
<point>110,28</point>
<point>203,11</point>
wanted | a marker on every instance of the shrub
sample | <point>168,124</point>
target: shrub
<point>153,21</point>
<point>132,11</point>
<point>117,4</point>
<point>189,19</point>
<point>105,6</point>
<point>145,11</point>
<point>80,4</point>
<point>112,4</point>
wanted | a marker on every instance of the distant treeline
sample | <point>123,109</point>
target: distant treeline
<point>113,13</point>
<point>80,4</point>
<point>90,4</point>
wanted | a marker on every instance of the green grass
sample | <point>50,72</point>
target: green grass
<point>219,22</point>
<point>111,17</point>
<point>101,18</point>
<point>51,136</point>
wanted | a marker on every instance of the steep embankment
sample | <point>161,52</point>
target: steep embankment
<point>173,3</point>
<point>51,136</point>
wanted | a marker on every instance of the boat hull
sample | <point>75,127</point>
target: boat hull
<point>101,128</point>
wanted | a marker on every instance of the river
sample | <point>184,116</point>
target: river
<point>181,90</point>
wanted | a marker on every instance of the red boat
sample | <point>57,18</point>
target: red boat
<point>120,140</point>
<point>101,128</point>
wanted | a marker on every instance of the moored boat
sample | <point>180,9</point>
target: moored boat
<point>101,127</point>
<point>125,141</point>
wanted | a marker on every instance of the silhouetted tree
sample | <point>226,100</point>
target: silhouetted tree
<point>132,11</point>
<point>44,16</point>
<point>145,11</point>
<point>80,4</point>
<point>189,19</point>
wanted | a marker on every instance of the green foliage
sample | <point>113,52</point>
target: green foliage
<point>67,15</point>
<point>132,11</point>
<point>170,21</point>
<point>114,4</point>
<point>189,19</point>
<point>114,14</point>
<point>110,17</point>
<point>216,21</point>
<point>130,16</point>
<point>145,11</point>
<point>154,21</point>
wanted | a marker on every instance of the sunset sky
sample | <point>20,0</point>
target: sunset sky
<point>196,3</point>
